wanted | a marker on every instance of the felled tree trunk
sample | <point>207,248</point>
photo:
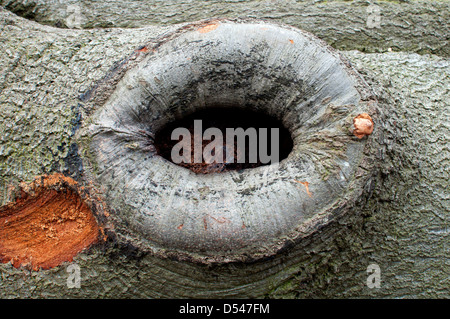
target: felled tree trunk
<point>402,227</point>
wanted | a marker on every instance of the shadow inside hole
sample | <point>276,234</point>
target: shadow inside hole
<point>223,118</point>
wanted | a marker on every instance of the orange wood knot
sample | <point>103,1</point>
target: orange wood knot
<point>363,125</point>
<point>142,49</point>
<point>48,225</point>
<point>208,28</point>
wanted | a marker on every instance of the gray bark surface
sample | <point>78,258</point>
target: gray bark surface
<point>404,226</point>
<point>242,215</point>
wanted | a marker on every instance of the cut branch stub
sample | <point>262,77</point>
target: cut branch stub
<point>47,225</point>
<point>237,215</point>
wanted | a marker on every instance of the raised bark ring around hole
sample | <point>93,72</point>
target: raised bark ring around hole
<point>237,215</point>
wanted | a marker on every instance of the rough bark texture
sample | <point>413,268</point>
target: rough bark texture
<point>243,215</point>
<point>417,26</point>
<point>403,227</point>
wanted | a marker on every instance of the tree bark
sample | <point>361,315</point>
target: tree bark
<point>402,227</point>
